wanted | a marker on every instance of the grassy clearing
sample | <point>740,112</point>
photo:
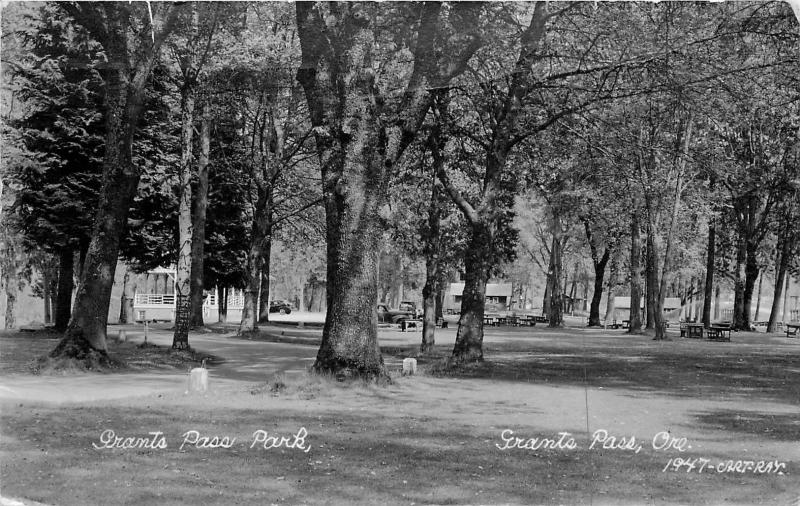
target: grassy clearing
<point>432,438</point>
<point>366,447</point>
<point>758,368</point>
<point>27,353</point>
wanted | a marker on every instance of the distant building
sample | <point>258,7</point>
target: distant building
<point>160,306</point>
<point>498,297</point>
<point>622,308</point>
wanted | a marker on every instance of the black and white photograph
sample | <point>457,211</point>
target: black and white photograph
<point>400,253</point>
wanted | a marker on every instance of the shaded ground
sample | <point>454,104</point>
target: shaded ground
<point>20,351</point>
<point>433,439</point>
<point>752,366</point>
<point>367,447</point>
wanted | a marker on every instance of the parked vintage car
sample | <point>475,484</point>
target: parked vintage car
<point>280,306</point>
<point>406,311</point>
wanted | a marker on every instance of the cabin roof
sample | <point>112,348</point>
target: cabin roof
<point>492,289</point>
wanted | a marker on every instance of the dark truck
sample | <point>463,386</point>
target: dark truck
<point>406,311</point>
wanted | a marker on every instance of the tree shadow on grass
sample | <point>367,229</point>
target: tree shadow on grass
<point>679,371</point>
<point>780,427</point>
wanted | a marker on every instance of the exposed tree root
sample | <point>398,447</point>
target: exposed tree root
<point>75,352</point>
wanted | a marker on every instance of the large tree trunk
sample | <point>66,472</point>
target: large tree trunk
<point>781,266</point>
<point>47,292</point>
<point>66,263</point>
<point>650,281</point>
<point>709,284</point>
<point>611,303</point>
<point>360,136</point>
<point>758,298</point>
<point>222,305</point>
<point>751,274</point>
<point>432,238</point>
<point>124,93</point>
<point>11,282</point>
<point>546,297</point>
<point>126,300</point>
<point>350,336</point>
<point>739,322</point>
<point>555,313</point>
<point>469,338</point>
<point>597,295</point>
<point>260,233</point>
<point>199,222</point>
<point>264,296</point>
<point>183,283</point>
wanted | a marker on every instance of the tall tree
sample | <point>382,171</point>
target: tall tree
<point>361,132</point>
<point>132,40</point>
<point>191,54</point>
<point>57,176</point>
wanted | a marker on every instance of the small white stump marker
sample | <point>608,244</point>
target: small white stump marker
<point>409,366</point>
<point>198,379</point>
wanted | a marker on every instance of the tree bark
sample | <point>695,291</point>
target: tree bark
<point>47,292</point>
<point>758,298</point>
<point>739,322</point>
<point>66,263</point>
<point>183,283</point>
<point>199,221</point>
<point>469,338</point>
<point>599,273</point>
<point>359,139</point>
<point>124,94</point>
<point>11,283</point>
<point>223,305</point>
<point>126,300</point>
<point>751,274</point>
<point>635,274</point>
<point>651,271</point>
<point>546,297</point>
<point>432,238</point>
<point>782,264</point>
<point>260,239</point>
<point>264,295</point>
<point>555,313</point>
<point>709,284</point>
<point>597,294</point>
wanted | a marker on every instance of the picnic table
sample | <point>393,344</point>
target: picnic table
<point>692,330</point>
<point>719,332</point>
<point>792,329</point>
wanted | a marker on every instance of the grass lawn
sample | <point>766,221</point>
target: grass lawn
<point>435,438</point>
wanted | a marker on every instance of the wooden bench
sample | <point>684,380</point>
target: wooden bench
<point>719,332</point>
<point>692,330</point>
